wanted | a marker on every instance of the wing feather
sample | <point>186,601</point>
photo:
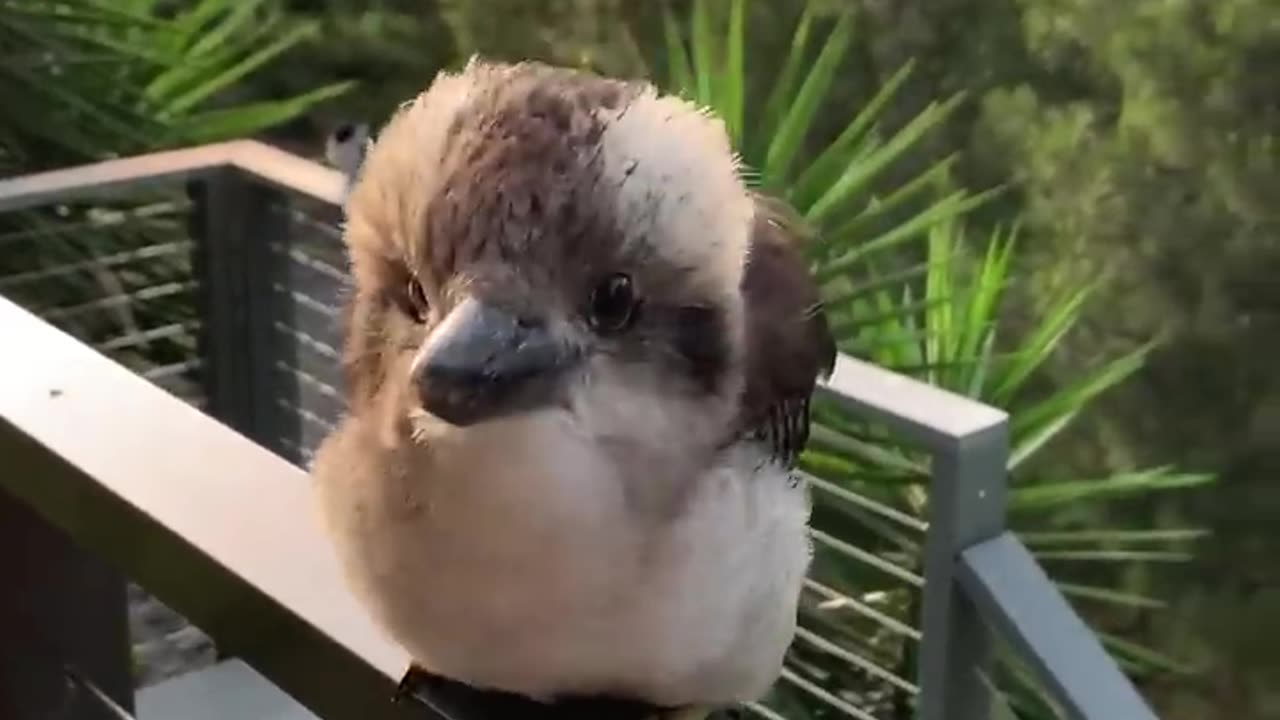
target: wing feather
<point>788,342</point>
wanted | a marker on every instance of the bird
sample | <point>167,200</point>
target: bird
<point>578,353</point>
<point>344,150</point>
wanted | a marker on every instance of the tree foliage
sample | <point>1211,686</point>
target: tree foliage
<point>1139,139</point>
<point>83,79</point>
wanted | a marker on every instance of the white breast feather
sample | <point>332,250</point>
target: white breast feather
<point>521,564</point>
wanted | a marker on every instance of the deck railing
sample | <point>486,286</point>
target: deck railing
<point>155,417</point>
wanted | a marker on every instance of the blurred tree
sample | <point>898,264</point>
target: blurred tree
<point>83,79</point>
<point>390,48</point>
<point>577,33</point>
<point>1141,137</point>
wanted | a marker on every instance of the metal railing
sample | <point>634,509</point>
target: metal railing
<point>158,417</point>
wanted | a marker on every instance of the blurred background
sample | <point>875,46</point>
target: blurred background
<point>1098,178</point>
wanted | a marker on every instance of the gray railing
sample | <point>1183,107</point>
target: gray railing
<point>104,447</point>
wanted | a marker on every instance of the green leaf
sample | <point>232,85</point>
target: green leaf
<point>1044,496</point>
<point>848,324</point>
<point>951,206</point>
<point>247,119</point>
<point>786,141</point>
<point>858,175</point>
<point>1077,394</point>
<point>1057,322</point>
<point>1111,536</point>
<point>1108,596</point>
<point>1000,707</point>
<point>239,70</point>
<point>197,18</point>
<point>781,96</point>
<point>894,339</point>
<point>1143,656</point>
<point>939,294</point>
<point>1124,556</point>
<point>856,450</point>
<point>989,287</point>
<point>703,53</point>
<point>733,81</point>
<point>831,162</point>
<point>982,364</point>
<point>196,58</point>
<point>1025,690</point>
<point>119,120</point>
<point>879,208</point>
<point>120,48</point>
<point>677,56</point>
<point>242,16</point>
<point>1029,445</point>
<point>89,15</point>
<point>836,299</point>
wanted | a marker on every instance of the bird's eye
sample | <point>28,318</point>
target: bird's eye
<point>613,304</point>
<point>417,297</point>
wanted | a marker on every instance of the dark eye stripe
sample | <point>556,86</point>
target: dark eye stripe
<point>697,335</point>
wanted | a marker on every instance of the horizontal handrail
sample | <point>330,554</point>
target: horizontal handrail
<point>217,526</point>
<point>1014,594</point>
<point>925,415</point>
<point>120,175</point>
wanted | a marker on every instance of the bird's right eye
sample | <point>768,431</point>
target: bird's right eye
<point>613,304</point>
<point>417,300</point>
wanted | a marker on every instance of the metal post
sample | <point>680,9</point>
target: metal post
<point>234,221</point>
<point>966,506</point>
<point>64,625</point>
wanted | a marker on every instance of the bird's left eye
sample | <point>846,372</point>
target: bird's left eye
<point>613,304</point>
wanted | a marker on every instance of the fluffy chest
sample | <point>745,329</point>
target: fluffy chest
<point>654,580</point>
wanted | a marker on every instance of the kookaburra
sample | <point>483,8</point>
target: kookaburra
<point>579,355</point>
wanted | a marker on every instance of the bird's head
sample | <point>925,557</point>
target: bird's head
<point>526,238</point>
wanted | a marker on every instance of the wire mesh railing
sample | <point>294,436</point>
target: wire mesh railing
<point>118,277</point>
<point>306,291</point>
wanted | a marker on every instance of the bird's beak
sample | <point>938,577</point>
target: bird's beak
<point>483,362</point>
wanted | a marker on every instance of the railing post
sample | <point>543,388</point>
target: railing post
<point>64,624</point>
<point>966,506</point>
<point>234,221</point>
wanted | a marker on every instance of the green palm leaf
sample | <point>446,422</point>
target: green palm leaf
<point>785,142</point>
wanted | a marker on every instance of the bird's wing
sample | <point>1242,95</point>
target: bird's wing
<point>788,343</point>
